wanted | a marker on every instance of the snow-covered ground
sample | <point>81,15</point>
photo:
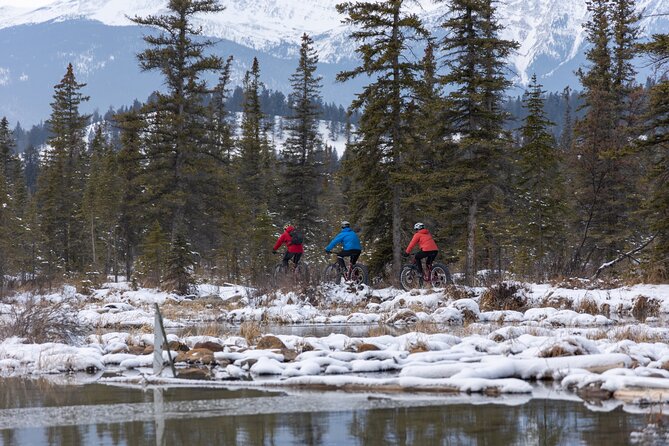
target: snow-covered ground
<point>453,341</point>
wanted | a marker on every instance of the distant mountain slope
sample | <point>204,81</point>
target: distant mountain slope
<point>37,43</point>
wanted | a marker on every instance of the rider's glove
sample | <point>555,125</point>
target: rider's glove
<point>327,251</point>
<point>273,252</point>
<point>404,254</point>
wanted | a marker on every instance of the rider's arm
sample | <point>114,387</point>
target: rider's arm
<point>413,242</point>
<point>279,242</point>
<point>335,241</point>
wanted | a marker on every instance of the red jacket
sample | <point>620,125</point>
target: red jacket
<point>285,238</point>
<point>424,240</point>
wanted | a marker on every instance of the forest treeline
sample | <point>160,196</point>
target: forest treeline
<point>190,186</point>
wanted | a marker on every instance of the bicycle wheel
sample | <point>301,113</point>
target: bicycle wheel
<point>301,273</point>
<point>410,278</point>
<point>279,275</point>
<point>440,276</point>
<point>359,274</point>
<point>331,274</point>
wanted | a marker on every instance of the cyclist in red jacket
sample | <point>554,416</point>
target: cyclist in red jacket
<point>428,248</point>
<point>293,251</point>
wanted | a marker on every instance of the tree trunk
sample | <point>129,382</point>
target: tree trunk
<point>470,263</point>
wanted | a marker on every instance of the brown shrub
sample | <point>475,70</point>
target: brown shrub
<point>504,296</point>
<point>455,292</point>
<point>557,302</point>
<point>250,330</point>
<point>42,321</point>
<point>643,307</point>
<point>426,327</point>
<point>587,305</point>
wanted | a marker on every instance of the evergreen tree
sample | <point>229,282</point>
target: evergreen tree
<point>151,265</point>
<point>540,207</point>
<point>303,148</point>
<point>600,153</point>
<point>182,175</point>
<point>102,200</point>
<point>475,62</point>
<point>657,145</point>
<point>130,159</point>
<point>385,32</point>
<point>255,180</point>
<point>61,181</point>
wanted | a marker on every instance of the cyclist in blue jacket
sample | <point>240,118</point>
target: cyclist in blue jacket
<point>350,245</point>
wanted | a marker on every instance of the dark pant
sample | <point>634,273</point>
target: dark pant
<point>352,253</point>
<point>291,255</point>
<point>429,257</point>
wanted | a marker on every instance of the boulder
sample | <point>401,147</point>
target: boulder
<point>210,345</point>
<point>270,342</point>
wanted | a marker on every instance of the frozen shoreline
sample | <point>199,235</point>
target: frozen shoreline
<point>594,355</point>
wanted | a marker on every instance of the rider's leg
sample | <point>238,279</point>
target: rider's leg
<point>286,258</point>
<point>340,260</point>
<point>296,257</point>
<point>420,255</point>
<point>431,255</point>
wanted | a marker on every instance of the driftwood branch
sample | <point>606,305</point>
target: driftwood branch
<point>623,256</point>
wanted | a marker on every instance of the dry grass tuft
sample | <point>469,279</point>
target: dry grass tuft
<point>380,330</point>
<point>557,302</point>
<point>426,327</point>
<point>587,305</point>
<point>41,321</point>
<point>504,296</point>
<point>455,292</point>
<point>643,307</point>
<point>250,330</point>
<point>636,334</point>
<point>213,329</point>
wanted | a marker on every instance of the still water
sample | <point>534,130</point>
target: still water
<point>36,412</point>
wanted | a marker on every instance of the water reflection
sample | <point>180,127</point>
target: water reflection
<point>35,412</point>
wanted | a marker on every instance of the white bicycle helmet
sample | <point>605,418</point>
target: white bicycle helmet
<point>418,226</point>
<point>345,224</point>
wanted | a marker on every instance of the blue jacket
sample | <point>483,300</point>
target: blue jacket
<point>348,239</point>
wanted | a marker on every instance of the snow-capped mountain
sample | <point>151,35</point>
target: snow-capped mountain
<point>98,38</point>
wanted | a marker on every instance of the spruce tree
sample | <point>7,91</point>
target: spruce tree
<point>182,175</point>
<point>386,33</point>
<point>254,169</point>
<point>102,200</point>
<point>475,62</point>
<point>657,146</point>
<point>61,180</point>
<point>600,154</point>
<point>539,209</point>
<point>302,152</point>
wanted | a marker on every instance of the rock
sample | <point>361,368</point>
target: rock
<point>270,342</point>
<point>148,350</point>
<point>137,349</point>
<point>288,355</point>
<point>418,348</point>
<point>366,347</point>
<point>194,373</point>
<point>247,363</point>
<point>210,345</point>
<point>402,317</point>
<point>177,346</point>
<point>198,355</point>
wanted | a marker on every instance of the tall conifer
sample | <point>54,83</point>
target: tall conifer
<point>386,33</point>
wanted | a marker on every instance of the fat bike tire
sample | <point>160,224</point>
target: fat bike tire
<point>440,276</point>
<point>410,278</point>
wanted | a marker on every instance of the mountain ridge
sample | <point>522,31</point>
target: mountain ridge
<point>550,34</point>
